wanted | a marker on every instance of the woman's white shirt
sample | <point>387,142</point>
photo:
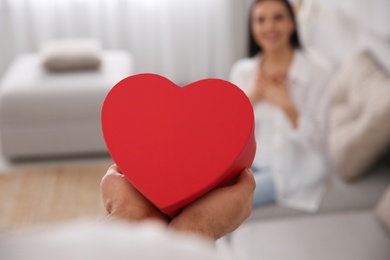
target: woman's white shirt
<point>297,157</point>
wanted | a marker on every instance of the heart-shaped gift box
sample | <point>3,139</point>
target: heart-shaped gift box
<point>175,144</point>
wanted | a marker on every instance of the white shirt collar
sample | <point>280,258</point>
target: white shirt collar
<point>299,70</point>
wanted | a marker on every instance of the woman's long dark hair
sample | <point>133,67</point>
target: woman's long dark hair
<point>254,48</point>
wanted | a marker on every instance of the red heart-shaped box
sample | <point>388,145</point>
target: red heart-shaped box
<point>175,144</point>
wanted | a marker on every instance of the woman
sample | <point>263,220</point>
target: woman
<point>290,100</point>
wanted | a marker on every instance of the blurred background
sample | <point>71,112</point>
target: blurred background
<point>183,40</point>
<point>52,150</point>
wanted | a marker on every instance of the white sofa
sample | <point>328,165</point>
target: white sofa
<point>338,236</point>
<point>49,114</point>
<point>345,227</point>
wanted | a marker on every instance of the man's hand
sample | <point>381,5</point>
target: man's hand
<point>123,201</point>
<point>214,215</point>
<point>220,211</point>
<point>274,90</point>
<point>257,93</point>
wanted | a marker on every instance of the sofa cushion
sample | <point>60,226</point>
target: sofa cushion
<point>378,47</point>
<point>378,11</point>
<point>355,236</point>
<point>340,196</point>
<point>359,116</point>
<point>383,209</point>
<point>51,114</point>
<point>71,54</point>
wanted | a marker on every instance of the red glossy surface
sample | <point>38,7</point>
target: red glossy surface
<point>174,144</point>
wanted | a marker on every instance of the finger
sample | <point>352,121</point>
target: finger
<point>112,178</point>
<point>281,87</point>
<point>267,80</point>
<point>280,74</point>
<point>259,78</point>
<point>261,95</point>
<point>246,180</point>
<point>264,75</point>
<point>267,92</point>
<point>114,170</point>
<point>246,184</point>
<point>279,80</point>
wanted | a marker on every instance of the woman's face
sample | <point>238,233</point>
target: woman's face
<point>272,25</point>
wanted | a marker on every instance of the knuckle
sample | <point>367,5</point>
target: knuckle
<point>108,179</point>
<point>253,183</point>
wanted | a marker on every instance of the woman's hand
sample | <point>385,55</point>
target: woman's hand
<point>257,93</point>
<point>274,90</point>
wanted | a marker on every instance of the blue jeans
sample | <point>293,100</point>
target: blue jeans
<point>265,191</point>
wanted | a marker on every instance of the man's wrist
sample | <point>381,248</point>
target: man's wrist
<point>128,214</point>
<point>195,226</point>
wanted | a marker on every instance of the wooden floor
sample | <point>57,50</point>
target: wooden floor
<point>43,195</point>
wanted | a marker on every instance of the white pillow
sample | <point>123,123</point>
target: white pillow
<point>379,18</point>
<point>382,210</point>
<point>71,54</point>
<point>378,47</point>
<point>359,116</point>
